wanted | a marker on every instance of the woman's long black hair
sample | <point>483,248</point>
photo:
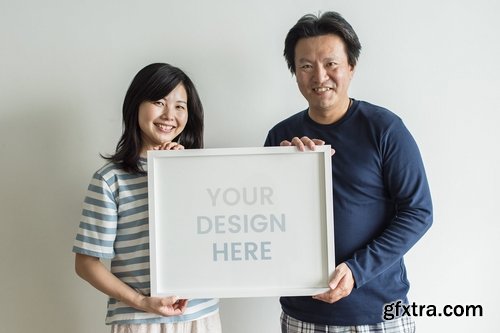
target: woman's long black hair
<point>152,83</point>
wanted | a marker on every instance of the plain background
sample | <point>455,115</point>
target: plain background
<point>64,70</point>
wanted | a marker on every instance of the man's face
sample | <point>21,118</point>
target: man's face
<point>323,73</point>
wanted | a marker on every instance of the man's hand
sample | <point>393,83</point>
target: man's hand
<point>340,286</point>
<point>303,142</point>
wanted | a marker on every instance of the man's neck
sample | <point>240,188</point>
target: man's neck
<point>330,116</point>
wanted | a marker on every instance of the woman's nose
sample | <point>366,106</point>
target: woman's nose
<point>168,113</point>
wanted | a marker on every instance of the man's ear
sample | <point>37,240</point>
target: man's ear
<point>353,70</point>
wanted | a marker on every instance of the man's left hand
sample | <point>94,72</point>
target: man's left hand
<point>340,286</point>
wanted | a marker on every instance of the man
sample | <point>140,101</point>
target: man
<point>382,203</point>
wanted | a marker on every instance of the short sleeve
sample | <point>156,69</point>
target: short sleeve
<point>97,230</point>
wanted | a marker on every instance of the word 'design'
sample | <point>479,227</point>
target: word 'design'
<point>241,224</point>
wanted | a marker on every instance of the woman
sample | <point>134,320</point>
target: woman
<point>161,110</point>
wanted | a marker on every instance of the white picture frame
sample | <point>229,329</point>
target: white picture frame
<point>240,222</point>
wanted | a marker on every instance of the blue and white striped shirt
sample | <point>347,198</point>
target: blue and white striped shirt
<point>114,225</point>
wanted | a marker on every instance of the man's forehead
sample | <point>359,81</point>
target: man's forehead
<point>325,47</point>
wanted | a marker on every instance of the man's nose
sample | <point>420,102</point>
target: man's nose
<point>320,74</point>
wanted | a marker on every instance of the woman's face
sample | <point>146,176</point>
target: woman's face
<point>163,120</point>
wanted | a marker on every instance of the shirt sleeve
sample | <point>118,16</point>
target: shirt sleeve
<point>405,179</point>
<point>270,140</point>
<point>97,229</point>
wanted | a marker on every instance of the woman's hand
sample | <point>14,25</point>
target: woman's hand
<point>97,274</point>
<point>169,146</point>
<point>163,306</point>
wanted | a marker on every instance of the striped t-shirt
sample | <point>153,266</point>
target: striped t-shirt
<point>114,225</point>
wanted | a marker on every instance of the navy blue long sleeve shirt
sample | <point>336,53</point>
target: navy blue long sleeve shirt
<point>382,207</point>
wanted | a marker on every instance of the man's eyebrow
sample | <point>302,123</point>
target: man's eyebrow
<point>303,60</point>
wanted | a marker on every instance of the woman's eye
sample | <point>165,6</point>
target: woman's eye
<point>159,103</point>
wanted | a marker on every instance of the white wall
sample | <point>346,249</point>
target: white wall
<point>65,67</point>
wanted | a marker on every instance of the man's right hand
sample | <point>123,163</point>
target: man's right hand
<point>303,142</point>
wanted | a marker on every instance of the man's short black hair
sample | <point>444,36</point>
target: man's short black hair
<point>328,23</point>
